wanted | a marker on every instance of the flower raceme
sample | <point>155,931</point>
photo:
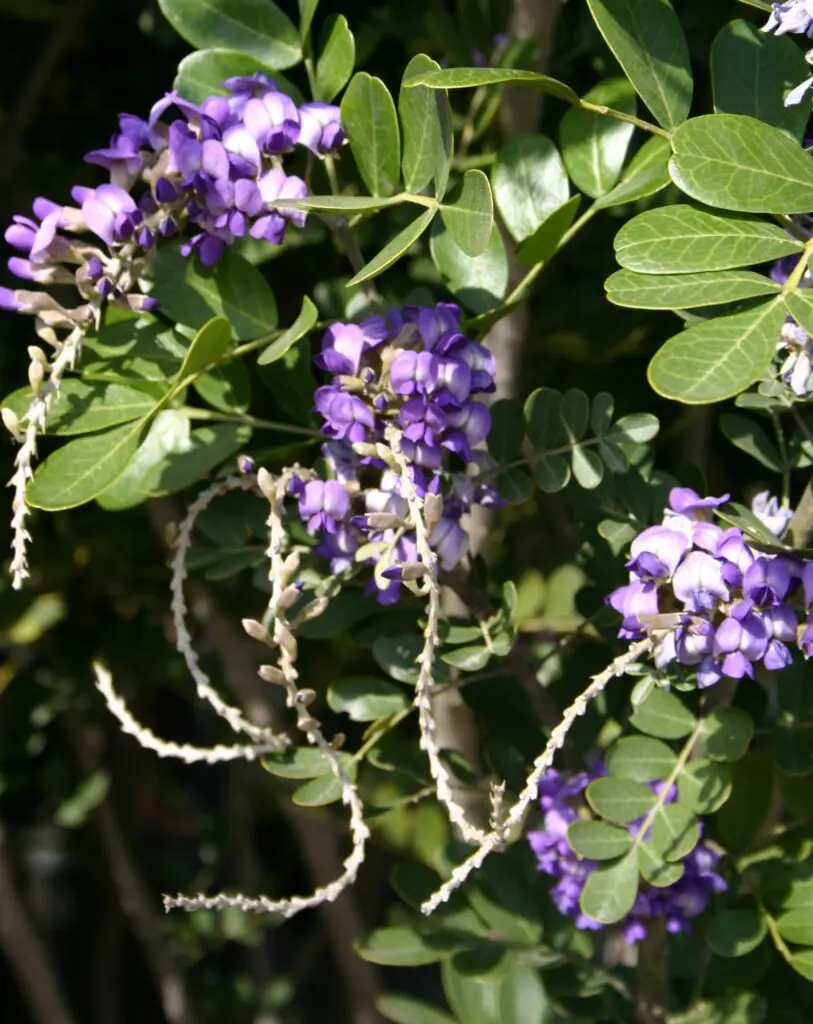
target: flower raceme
<point>675,904</point>
<point>415,373</point>
<point>793,17</point>
<point>710,599</point>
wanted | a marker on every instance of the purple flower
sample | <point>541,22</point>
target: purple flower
<point>798,364</point>
<point>656,552</point>
<point>111,213</point>
<point>413,373</point>
<point>637,598</point>
<point>767,581</point>
<point>322,504</point>
<point>685,501</point>
<point>320,127</point>
<point>699,583</point>
<point>346,416</point>
<point>739,642</point>
<point>449,541</point>
<point>794,16</point>
<point>767,509</point>
<point>273,120</point>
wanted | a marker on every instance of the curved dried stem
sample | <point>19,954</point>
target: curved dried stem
<point>183,639</point>
<point>497,836</point>
<point>426,659</point>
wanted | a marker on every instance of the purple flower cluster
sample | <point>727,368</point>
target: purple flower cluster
<point>416,371</point>
<point>709,598</point>
<point>795,17</point>
<point>213,169</point>
<point>795,344</point>
<point>676,904</point>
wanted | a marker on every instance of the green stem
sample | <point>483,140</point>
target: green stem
<point>249,421</point>
<point>619,115</point>
<point>773,931</point>
<point>793,229</point>
<point>797,273</point>
<point>382,731</point>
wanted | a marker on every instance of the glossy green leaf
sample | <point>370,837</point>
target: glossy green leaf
<point>426,121</point>
<point>751,438</point>
<point>474,1000</point>
<point>322,791</point>
<point>397,655</point>
<point>752,73</point>
<point>523,999</point>
<point>233,289</point>
<point>300,763</point>
<point>395,249</point>
<point>201,74</point>
<point>663,714</point>
<point>800,306</point>
<point>741,818</point>
<point>619,800</point>
<point>256,27</point>
<point>81,469</point>
<point>675,832</point>
<point>211,342</point>
<point>134,350</point>
<point>735,162</point>
<point>593,145</point>
<point>726,734</point>
<point>646,174</point>
<point>648,42</point>
<point>733,933</point>
<point>529,182</point>
<point>474,78</point>
<point>718,358</point>
<point>642,758</point>
<point>793,749</point>
<point>307,9</point>
<point>481,958</point>
<point>685,239</point>
<point>704,786</point>
<point>479,282</point>
<point>371,124</point>
<point>82,406</point>
<point>340,205</point>
<point>407,1010</point>
<point>635,428</point>
<point>398,947</point>
<point>226,388</point>
<point>685,291</point>
<point>304,323</point>
<point>575,412</point>
<point>514,485</point>
<point>596,840</point>
<point>507,430</point>
<point>655,869</point>
<point>337,55</point>
<point>468,659</point>
<point>587,467</point>
<point>802,963</point>
<point>610,890</point>
<point>796,926</point>
<point>543,414</point>
<point>169,434</point>
<point>543,243</point>
<point>366,698</point>
<point>468,213</point>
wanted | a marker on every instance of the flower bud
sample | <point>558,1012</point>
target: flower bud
<point>11,423</point>
<point>307,724</point>
<point>313,611</point>
<point>267,484</point>
<point>245,464</point>
<point>383,452</point>
<point>379,521</point>
<point>286,639</point>
<point>347,383</point>
<point>37,355</point>
<point>36,374</point>
<point>257,631</point>
<point>365,450</point>
<point>305,697</point>
<point>432,510</point>
<point>405,572</point>
<point>291,564</point>
<point>271,674</point>
<point>288,597</point>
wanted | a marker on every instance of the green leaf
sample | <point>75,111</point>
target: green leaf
<point>468,659</point>
<point>742,517</point>
<point>596,840</point>
<point>800,307</point>
<point>81,469</point>
<point>750,437</point>
<point>719,358</point>
<point>752,73</point>
<point>796,926</point>
<point>726,734</point>
<point>201,74</point>
<point>793,749</point>
<point>514,485</point>
<point>593,145</point>
<point>395,249</point>
<point>304,323</point>
<point>704,786</point>
<point>169,434</point>
<point>210,446</point>
<point>635,428</point>
<point>685,239</point>
<point>544,418</point>
<point>398,947</point>
<point>479,282</point>
<point>733,933</point>
<point>507,430</point>
<point>802,963</point>
<point>648,42</point>
<point>307,9</point>
<point>344,205</point>
<point>371,124</point>
<point>646,174</point>
<point>397,655</point>
<point>738,163</point>
<point>523,999</point>
<point>226,387</point>
<point>655,869</point>
<point>575,412</point>
<point>468,213</point>
<point>641,758</point>
<point>481,958</point>
<point>587,466</point>
<point>675,832</point>
<point>406,1010</point>
<point>474,1000</point>
<point>324,790</point>
<point>300,763</point>
<point>366,698</point>
<point>474,78</point>
<point>82,407</point>
<point>543,243</point>
<point>211,342</point>
<point>529,182</point>
<point>664,715</point>
<point>610,890</point>
<point>426,120</point>
<point>742,816</point>
<point>257,27</point>
<point>233,289</point>
<point>337,55</point>
<point>90,794</point>
<point>619,800</point>
<point>685,291</point>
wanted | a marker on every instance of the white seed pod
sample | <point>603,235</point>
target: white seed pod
<point>291,564</point>
<point>267,483</point>
<point>432,510</point>
<point>11,423</point>
<point>36,374</point>
<point>286,639</point>
<point>38,356</point>
<point>307,724</point>
<point>313,611</point>
<point>271,674</point>
<point>385,521</point>
<point>257,631</point>
<point>288,597</point>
